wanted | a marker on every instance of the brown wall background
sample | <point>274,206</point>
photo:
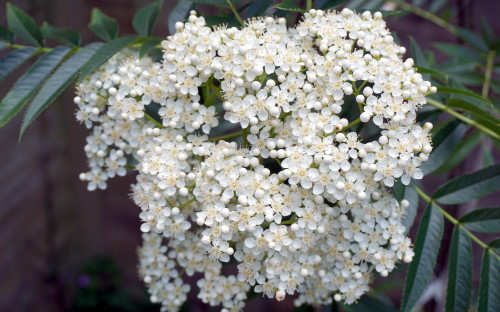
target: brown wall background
<point>49,224</point>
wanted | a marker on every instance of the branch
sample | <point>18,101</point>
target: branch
<point>150,118</point>
<point>235,12</point>
<point>487,73</point>
<point>427,15</point>
<point>463,118</point>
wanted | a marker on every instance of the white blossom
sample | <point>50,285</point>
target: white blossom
<point>302,201</point>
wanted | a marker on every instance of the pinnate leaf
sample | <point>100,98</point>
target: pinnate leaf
<point>14,59</point>
<point>485,220</point>
<point>63,35</point>
<point>469,186</point>
<point>459,272</point>
<point>489,283</point>
<point>63,76</point>
<point>145,19</point>
<point>23,26</point>
<point>104,53</point>
<point>29,83</point>
<point>427,244</point>
<point>103,26</point>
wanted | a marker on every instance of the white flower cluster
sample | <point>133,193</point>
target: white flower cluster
<point>298,194</point>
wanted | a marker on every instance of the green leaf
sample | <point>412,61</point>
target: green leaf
<point>428,114</point>
<point>495,247</point>
<point>489,284</point>
<point>23,26</point>
<point>459,272</point>
<point>369,303</point>
<point>411,196</point>
<point>458,51</point>
<point>331,4</point>
<point>468,107</point>
<point>289,5</point>
<point>492,128</point>
<point>425,70</point>
<point>398,190</point>
<point>14,59</point>
<point>355,4</point>
<point>6,35</point>
<point>178,14</point>
<point>219,3</point>
<point>469,186</point>
<point>487,31</point>
<point>64,75</point>
<point>445,138</point>
<point>105,52</point>
<point>374,6</point>
<point>472,39</point>
<point>257,8</point>
<point>442,131</point>
<point>485,220</point>
<point>461,151</point>
<point>495,46</point>
<point>427,244</point>
<point>218,20</point>
<point>417,54</point>
<point>103,26</point>
<point>145,19</point>
<point>149,46</point>
<point>457,66</point>
<point>389,13</point>
<point>29,83</point>
<point>488,159</point>
<point>468,93</point>
<point>481,103</point>
<point>437,5</point>
<point>63,35</point>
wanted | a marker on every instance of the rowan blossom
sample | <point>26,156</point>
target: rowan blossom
<point>281,176</point>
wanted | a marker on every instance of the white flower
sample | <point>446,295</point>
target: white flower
<point>299,198</point>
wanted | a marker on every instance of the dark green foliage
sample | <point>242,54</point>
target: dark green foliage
<point>426,249</point>
<point>103,26</point>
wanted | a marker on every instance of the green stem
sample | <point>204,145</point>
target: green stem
<point>235,12</point>
<point>20,46</point>
<point>454,221</point>
<point>227,136</point>
<point>291,221</point>
<point>487,73</point>
<point>427,15</point>
<point>205,95</point>
<point>150,118</point>
<point>215,90</point>
<point>278,160</point>
<point>287,222</point>
<point>76,48</point>
<point>187,203</point>
<point>463,118</point>
<point>182,271</point>
<point>360,107</point>
<point>356,89</point>
<point>245,133</point>
<point>353,123</point>
<point>429,200</point>
<point>309,5</point>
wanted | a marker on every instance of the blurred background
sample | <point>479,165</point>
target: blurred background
<point>65,249</point>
